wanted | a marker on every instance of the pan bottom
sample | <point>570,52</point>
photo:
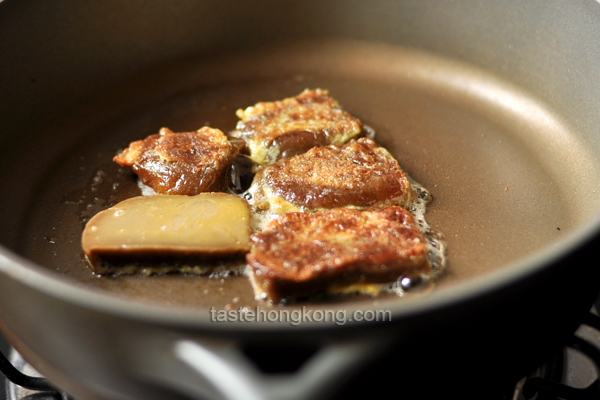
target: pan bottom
<point>499,164</point>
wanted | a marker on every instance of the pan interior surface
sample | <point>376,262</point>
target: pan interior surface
<point>508,176</point>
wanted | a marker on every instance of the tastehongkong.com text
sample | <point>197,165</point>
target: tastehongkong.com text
<point>297,316</point>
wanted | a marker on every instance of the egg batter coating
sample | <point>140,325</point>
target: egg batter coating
<point>281,129</point>
<point>186,163</point>
<point>304,254</point>
<point>359,174</point>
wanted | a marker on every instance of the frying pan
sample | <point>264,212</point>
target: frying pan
<point>491,106</point>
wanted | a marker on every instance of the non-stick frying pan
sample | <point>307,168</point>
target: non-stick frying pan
<point>492,107</point>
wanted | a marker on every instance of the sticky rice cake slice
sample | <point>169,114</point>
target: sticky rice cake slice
<point>305,254</point>
<point>285,128</point>
<point>182,163</point>
<point>359,174</point>
<point>167,233</point>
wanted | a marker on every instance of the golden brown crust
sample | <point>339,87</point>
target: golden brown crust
<point>186,163</point>
<point>281,129</point>
<point>359,174</point>
<point>303,254</point>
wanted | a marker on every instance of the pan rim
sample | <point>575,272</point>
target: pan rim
<point>39,278</point>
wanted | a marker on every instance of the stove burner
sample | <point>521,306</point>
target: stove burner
<point>556,379</point>
<point>25,383</point>
<point>549,388</point>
